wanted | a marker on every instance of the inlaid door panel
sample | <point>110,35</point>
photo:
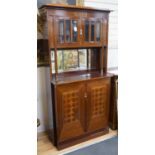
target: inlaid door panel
<point>97,104</point>
<point>71,108</point>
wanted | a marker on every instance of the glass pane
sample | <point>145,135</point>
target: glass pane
<point>74,31</point>
<point>68,38</point>
<point>92,30</point>
<point>53,62</point>
<point>86,30</point>
<point>61,31</point>
<point>98,30</point>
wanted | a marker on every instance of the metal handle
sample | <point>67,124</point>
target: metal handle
<point>85,95</point>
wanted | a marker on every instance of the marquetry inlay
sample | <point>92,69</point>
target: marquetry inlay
<point>98,100</point>
<point>70,103</point>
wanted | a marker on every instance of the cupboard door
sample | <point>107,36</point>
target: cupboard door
<point>70,109</point>
<point>92,32</point>
<point>67,32</point>
<point>97,104</point>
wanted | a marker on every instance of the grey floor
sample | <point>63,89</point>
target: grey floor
<point>107,147</point>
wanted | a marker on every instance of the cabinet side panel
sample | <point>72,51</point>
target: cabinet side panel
<point>53,135</point>
<point>113,120</point>
<point>50,30</point>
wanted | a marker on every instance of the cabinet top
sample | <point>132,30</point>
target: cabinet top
<point>63,6</point>
<point>80,78</point>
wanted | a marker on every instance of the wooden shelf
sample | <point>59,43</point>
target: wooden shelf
<point>80,77</point>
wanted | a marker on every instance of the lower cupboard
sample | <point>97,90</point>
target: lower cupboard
<point>80,110</point>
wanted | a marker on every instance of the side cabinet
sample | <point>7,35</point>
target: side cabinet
<point>82,108</point>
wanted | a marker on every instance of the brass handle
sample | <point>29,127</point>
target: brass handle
<point>85,96</point>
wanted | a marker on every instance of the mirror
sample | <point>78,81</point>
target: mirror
<point>75,60</point>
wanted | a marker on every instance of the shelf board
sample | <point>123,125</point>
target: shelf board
<point>80,77</point>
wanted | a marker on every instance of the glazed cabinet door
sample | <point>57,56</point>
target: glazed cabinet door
<point>92,31</point>
<point>67,32</point>
<point>70,110</point>
<point>98,93</point>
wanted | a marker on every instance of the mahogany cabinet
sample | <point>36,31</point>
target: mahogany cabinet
<point>80,85</point>
<point>81,110</point>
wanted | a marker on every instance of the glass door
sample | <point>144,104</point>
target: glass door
<point>92,29</point>
<point>67,32</point>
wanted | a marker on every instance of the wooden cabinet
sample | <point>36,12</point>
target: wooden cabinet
<point>75,31</point>
<point>82,109</point>
<point>80,85</point>
<point>76,27</point>
<point>80,30</point>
